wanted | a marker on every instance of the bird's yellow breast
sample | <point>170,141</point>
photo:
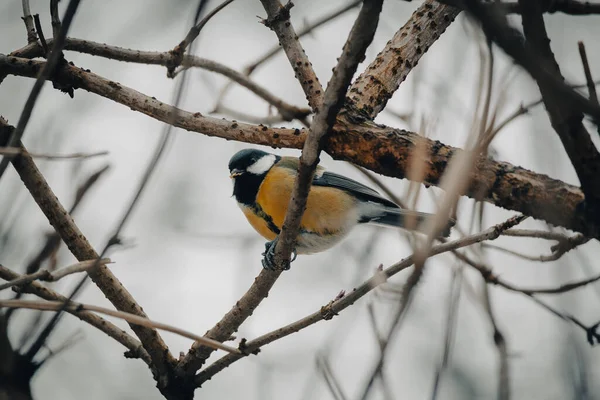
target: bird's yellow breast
<point>327,210</point>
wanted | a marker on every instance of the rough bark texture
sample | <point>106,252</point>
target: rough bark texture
<point>376,85</point>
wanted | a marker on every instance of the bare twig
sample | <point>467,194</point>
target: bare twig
<point>304,31</point>
<point>13,151</point>
<point>134,346</point>
<point>54,58</point>
<point>131,318</point>
<point>55,18</point>
<point>591,85</point>
<point>500,342</point>
<point>82,250</point>
<point>179,50</point>
<point>28,20</point>
<point>45,275</point>
<point>288,111</point>
<point>279,21</point>
<point>338,305</point>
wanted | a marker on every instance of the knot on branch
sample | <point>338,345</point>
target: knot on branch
<point>175,60</point>
<point>243,347</point>
<point>282,15</point>
<point>592,334</point>
<point>327,311</point>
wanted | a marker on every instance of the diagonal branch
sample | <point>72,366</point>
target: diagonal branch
<point>371,91</point>
<point>135,347</point>
<point>279,21</point>
<point>339,304</point>
<point>83,250</point>
<point>356,45</point>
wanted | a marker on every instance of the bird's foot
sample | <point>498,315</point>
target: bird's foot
<point>268,262</point>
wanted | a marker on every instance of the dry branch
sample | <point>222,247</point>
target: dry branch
<point>135,347</point>
<point>288,111</point>
<point>339,304</point>
<point>279,21</point>
<point>371,91</point>
<point>130,318</point>
<point>566,118</point>
<point>83,250</point>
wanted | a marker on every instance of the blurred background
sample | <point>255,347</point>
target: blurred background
<point>189,253</point>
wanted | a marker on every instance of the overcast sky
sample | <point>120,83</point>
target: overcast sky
<point>191,253</point>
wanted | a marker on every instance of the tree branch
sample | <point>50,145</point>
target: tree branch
<point>371,91</point>
<point>279,21</point>
<point>288,111</point>
<point>82,250</point>
<point>130,318</point>
<point>136,350</point>
<point>566,119</point>
<point>339,304</point>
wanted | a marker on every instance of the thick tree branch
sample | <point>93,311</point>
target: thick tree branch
<point>83,250</point>
<point>136,349</point>
<point>279,21</point>
<point>371,91</point>
<point>287,111</point>
<point>381,149</point>
<point>566,120</point>
<point>358,40</point>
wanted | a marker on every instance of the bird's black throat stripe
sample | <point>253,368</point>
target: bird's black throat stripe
<point>257,209</point>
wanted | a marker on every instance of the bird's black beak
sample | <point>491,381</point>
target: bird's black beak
<point>235,173</point>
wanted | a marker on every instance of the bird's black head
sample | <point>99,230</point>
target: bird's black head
<point>248,168</point>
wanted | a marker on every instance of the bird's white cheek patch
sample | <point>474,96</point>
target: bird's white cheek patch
<point>262,165</point>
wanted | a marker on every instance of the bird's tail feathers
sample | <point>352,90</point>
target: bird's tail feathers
<point>407,219</point>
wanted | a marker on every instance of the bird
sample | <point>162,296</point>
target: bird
<point>263,184</point>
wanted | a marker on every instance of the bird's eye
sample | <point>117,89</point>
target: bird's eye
<point>253,160</point>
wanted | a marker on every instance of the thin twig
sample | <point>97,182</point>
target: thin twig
<point>248,70</point>
<point>131,318</point>
<point>55,18</point>
<point>133,345</point>
<point>279,21</point>
<point>28,20</point>
<point>47,276</point>
<point>500,342</point>
<point>333,308</point>
<point>54,58</point>
<point>14,151</point>
<point>588,73</point>
<point>179,50</point>
<point>288,111</point>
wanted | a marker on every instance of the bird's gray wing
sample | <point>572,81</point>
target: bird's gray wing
<point>360,191</point>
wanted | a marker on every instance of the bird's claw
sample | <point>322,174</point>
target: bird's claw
<point>268,262</point>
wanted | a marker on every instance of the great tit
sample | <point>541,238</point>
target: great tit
<point>263,184</point>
